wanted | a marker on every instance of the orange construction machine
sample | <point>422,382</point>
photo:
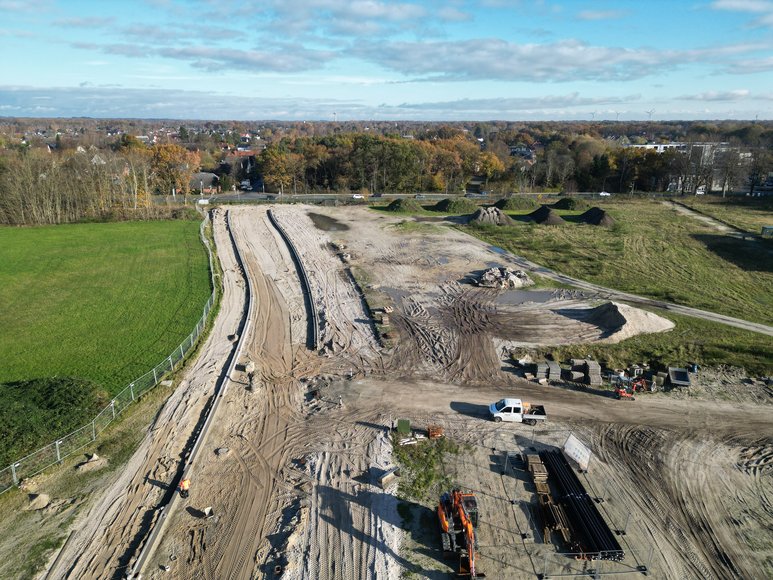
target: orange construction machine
<point>628,389</point>
<point>458,515</point>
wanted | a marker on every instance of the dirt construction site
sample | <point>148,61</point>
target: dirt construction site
<point>336,323</point>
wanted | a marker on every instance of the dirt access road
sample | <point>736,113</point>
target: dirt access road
<point>288,472</point>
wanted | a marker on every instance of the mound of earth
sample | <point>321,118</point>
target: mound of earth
<point>621,321</point>
<point>38,501</point>
<point>570,203</point>
<point>597,217</point>
<point>458,205</point>
<point>404,205</point>
<point>546,216</point>
<point>491,216</point>
<point>514,203</point>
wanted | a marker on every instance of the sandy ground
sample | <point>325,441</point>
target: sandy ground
<point>289,473</point>
<point>107,535</point>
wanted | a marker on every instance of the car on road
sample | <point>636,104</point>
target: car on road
<point>605,194</point>
<point>358,196</point>
<point>420,196</point>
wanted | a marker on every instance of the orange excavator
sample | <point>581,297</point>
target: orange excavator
<point>458,516</point>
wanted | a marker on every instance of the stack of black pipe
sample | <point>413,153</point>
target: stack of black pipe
<point>594,536</point>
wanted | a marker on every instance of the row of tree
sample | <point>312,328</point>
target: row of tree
<point>446,163</point>
<point>37,187</point>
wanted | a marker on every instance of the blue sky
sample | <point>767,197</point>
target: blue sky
<point>377,59</point>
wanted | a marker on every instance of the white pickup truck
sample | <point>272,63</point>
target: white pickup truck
<point>517,411</point>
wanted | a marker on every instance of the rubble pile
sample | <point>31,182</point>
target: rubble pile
<point>504,278</point>
<point>491,215</point>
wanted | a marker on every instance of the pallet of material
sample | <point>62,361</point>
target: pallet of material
<point>532,458</point>
<point>554,371</point>
<point>542,371</point>
<point>542,487</point>
<point>539,473</point>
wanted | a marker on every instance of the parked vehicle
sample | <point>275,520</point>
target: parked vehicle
<point>358,196</point>
<point>517,411</point>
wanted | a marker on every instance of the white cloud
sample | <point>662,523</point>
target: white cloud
<point>736,95</point>
<point>601,14</point>
<point>762,8</point>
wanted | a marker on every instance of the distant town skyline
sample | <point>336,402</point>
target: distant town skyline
<point>428,60</point>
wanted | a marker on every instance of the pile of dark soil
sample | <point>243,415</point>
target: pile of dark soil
<point>491,216</point>
<point>404,205</point>
<point>515,203</point>
<point>571,203</point>
<point>457,205</point>
<point>546,216</point>
<point>597,217</point>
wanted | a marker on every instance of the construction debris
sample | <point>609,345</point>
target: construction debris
<point>504,278</point>
<point>491,216</point>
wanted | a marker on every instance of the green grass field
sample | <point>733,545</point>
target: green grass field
<point>652,251</point>
<point>745,213</point>
<point>102,303</point>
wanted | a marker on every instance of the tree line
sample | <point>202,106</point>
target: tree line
<point>446,161</point>
<point>41,187</point>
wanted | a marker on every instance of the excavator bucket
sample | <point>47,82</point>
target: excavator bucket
<point>464,568</point>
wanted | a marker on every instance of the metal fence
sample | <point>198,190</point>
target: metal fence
<point>65,446</point>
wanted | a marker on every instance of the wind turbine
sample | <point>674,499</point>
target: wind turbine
<point>649,113</point>
<point>617,115</point>
<point>593,116</point>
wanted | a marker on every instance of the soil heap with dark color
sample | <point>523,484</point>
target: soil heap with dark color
<point>597,217</point>
<point>514,203</point>
<point>570,203</point>
<point>546,216</point>
<point>404,205</point>
<point>458,205</point>
<point>491,216</point>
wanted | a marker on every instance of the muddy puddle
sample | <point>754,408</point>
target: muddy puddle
<point>326,223</point>
<point>515,297</point>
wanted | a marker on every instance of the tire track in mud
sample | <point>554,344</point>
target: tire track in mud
<point>108,535</point>
<point>677,483</point>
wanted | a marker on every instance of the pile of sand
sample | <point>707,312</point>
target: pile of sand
<point>515,203</point>
<point>458,205</point>
<point>571,203</point>
<point>597,217</point>
<point>491,216</point>
<point>546,216</point>
<point>404,205</point>
<point>621,321</point>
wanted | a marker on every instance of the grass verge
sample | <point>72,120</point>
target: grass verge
<point>651,251</point>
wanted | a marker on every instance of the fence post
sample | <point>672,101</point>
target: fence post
<point>112,407</point>
<point>155,378</point>
<point>182,354</point>
<point>131,390</point>
<point>171,364</point>
<point>13,473</point>
<point>94,430</point>
<point>58,442</point>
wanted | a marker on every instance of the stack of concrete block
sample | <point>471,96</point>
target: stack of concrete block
<point>554,371</point>
<point>593,373</point>
<point>586,371</point>
<point>541,372</point>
